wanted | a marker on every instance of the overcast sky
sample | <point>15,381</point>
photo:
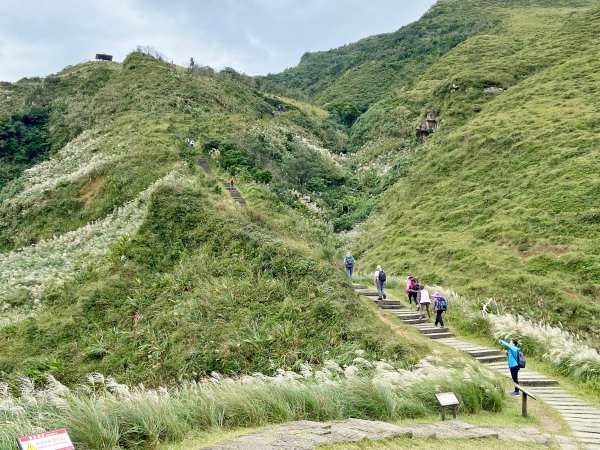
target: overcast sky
<point>39,37</point>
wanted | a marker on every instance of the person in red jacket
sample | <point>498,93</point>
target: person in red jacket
<point>231,182</point>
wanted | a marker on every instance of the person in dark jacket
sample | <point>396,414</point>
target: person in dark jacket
<point>349,264</point>
<point>439,307</point>
<point>512,352</point>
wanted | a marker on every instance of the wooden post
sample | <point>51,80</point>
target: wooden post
<point>524,394</point>
<point>443,412</point>
<point>454,411</point>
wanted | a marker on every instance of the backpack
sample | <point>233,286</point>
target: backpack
<point>442,305</point>
<point>349,261</point>
<point>382,276</point>
<point>521,360</point>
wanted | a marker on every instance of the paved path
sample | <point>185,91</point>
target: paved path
<point>307,435</point>
<point>235,194</point>
<point>583,417</point>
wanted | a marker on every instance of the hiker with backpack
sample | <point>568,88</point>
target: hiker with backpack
<point>349,264</point>
<point>516,361</point>
<point>440,305</point>
<point>424,301</point>
<point>413,291</point>
<point>231,182</point>
<point>380,278</point>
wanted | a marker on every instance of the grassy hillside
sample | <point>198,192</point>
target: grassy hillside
<point>121,257</point>
<point>116,129</point>
<point>202,286</point>
<point>502,200</point>
<point>364,72</point>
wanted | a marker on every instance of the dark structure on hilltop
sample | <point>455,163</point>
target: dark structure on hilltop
<point>103,57</point>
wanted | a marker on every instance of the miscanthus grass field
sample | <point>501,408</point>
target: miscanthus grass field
<point>103,414</point>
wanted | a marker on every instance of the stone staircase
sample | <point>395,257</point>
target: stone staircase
<point>235,194</point>
<point>583,417</point>
<point>406,315</point>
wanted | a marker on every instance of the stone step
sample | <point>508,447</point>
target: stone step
<point>537,382</point>
<point>566,405</point>
<point>587,437</point>
<point>551,390</point>
<point>359,286</point>
<point>413,321</point>
<point>368,293</point>
<point>551,398</point>
<point>429,331</point>
<point>439,335</point>
<point>406,315</point>
<point>563,401</point>
<point>576,410</point>
<point>586,428</point>
<point>490,358</point>
<point>392,304</point>
<point>482,352</point>
<point>593,412</point>
<point>583,418</point>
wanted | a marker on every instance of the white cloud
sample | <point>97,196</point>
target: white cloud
<point>38,37</point>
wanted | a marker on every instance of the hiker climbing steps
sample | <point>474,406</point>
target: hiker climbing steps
<point>407,316</point>
<point>583,417</point>
<point>235,194</point>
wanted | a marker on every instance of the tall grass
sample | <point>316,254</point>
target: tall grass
<point>568,354</point>
<point>106,415</point>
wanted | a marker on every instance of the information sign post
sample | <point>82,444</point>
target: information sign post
<point>447,399</point>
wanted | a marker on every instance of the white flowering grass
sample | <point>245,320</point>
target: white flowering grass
<point>103,414</point>
<point>568,352</point>
<point>55,261</point>
<point>74,161</point>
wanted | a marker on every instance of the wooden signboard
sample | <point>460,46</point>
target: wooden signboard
<point>447,399</point>
<point>51,440</point>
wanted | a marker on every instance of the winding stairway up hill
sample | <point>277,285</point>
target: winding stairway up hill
<point>235,194</point>
<point>583,417</point>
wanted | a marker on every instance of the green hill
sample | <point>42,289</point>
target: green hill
<point>501,201</point>
<point>121,256</point>
<point>364,72</point>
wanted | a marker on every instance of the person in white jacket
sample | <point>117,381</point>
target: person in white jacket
<point>424,302</point>
<point>379,278</point>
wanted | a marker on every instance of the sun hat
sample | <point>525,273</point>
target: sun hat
<point>378,268</point>
<point>436,295</point>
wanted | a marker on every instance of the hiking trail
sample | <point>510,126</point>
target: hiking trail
<point>583,417</point>
<point>235,194</point>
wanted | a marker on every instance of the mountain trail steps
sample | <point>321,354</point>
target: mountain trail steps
<point>235,194</point>
<point>583,417</point>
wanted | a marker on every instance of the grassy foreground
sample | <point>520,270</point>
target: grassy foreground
<point>103,414</point>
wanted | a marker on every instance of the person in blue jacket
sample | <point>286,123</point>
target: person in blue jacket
<point>512,351</point>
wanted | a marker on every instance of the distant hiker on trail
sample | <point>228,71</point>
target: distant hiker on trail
<point>424,301</point>
<point>379,277</point>
<point>412,288</point>
<point>513,352</point>
<point>231,182</point>
<point>349,264</point>
<point>439,306</point>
